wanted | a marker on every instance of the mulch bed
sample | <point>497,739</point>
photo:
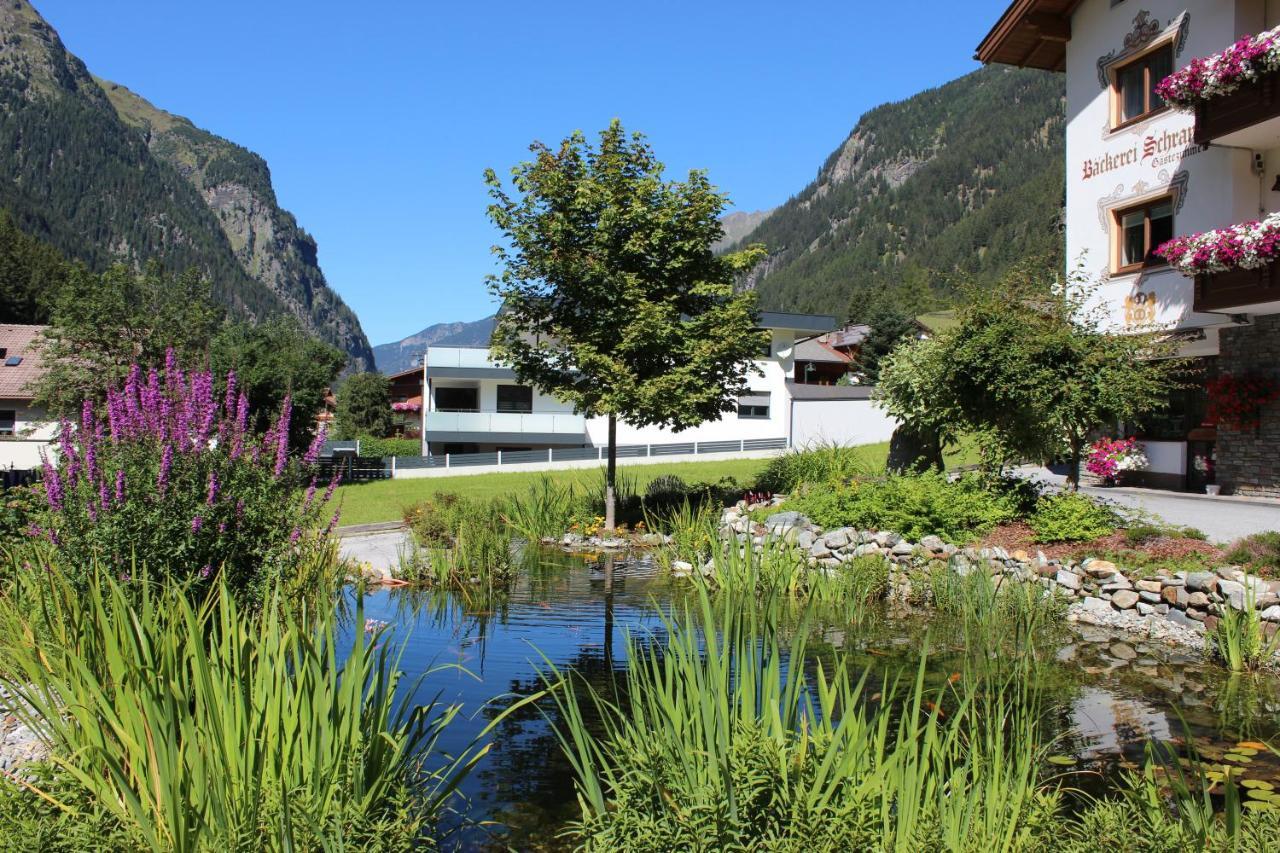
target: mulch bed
<point>1018,536</point>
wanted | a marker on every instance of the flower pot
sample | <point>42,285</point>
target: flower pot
<point>1212,489</point>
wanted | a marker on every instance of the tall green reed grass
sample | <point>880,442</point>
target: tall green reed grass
<point>206,727</point>
<point>1239,639</point>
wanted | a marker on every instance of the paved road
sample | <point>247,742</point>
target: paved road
<point>1221,519</point>
<point>381,549</point>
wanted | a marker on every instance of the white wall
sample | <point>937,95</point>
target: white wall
<point>843,422</point>
<point>1220,187</point>
<point>33,432</point>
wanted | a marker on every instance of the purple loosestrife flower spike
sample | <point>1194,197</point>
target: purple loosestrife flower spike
<point>212,494</point>
<point>333,485</point>
<point>333,522</point>
<point>131,421</point>
<point>196,523</point>
<point>282,439</point>
<point>104,495</point>
<point>313,450</point>
<point>295,536</point>
<point>206,571</point>
<point>120,486</point>
<point>53,486</point>
<point>166,462</point>
<point>310,496</point>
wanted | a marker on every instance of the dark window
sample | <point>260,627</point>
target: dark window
<point>515,398</point>
<point>1135,83</point>
<point>1140,231</point>
<point>457,399</point>
<point>8,421</point>
<point>752,411</point>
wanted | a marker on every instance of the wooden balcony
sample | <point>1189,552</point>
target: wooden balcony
<point>1238,118</point>
<point>1236,289</point>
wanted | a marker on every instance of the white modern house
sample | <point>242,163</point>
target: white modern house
<point>25,430</point>
<point>474,405</point>
<point>1139,172</point>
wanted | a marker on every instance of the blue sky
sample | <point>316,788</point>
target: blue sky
<point>378,118</point>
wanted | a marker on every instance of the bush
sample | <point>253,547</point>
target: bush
<point>385,447</point>
<point>1071,517</point>
<point>1259,553</point>
<point>19,508</point>
<point>912,505</point>
<point>169,481</point>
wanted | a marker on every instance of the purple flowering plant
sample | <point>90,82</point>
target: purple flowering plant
<point>167,478</point>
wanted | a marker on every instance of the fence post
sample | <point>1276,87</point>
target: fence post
<point>549,457</point>
<point>499,458</point>
<point>600,452</point>
<point>446,460</point>
<point>648,450</point>
<point>393,467</point>
<point>696,451</point>
<point>742,445</point>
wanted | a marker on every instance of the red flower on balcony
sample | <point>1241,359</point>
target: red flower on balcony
<point>1237,401</point>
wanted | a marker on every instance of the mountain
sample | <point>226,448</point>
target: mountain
<point>737,225</point>
<point>403,354</point>
<point>963,180</point>
<point>103,176</point>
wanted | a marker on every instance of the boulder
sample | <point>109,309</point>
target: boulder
<point>836,539</point>
<point>1233,592</point>
<point>1149,585</point>
<point>1202,582</point>
<point>1070,580</point>
<point>1198,599</point>
<point>1100,568</point>
<point>933,544</point>
<point>1124,599</point>
<point>1272,613</point>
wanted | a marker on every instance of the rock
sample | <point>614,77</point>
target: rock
<point>1198,599</point>
<point>1145,609</point>
<point>1096,605</point>
<point>902,549</point>
<point>1233,592</point>
<point>1070,580</point>
<point>836,539</point>
<point>1124,599</point>
<point>1230,573</point>
<point>1272,613</point>
<point>933,544</point>
<point>1196,615</point>
<point>781,522</point>
<point>1021,556</point>
<point>819,551</point>
<point>886,538</point>
<point>1149,586</point>
<point>805,539</point>
<point>1112,586</point>
<point>866,549</point>
<point>681,568</point>
<point>1124,651</point>
<point>1202,582</point>
<point>1100,568</point>
<point>1175,595</point>
<point>1149,597</point>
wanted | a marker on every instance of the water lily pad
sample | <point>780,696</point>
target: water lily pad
<point>1251,744</point>
<point>1256,794</point>
<point>1245,750</point>
<point>1062,760</point>
<point>1259,805</point>
<point>1237,757</point>
<point>1259,784</point>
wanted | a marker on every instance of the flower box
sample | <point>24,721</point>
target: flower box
<point>1223,291</point>
<point>1231,90</point>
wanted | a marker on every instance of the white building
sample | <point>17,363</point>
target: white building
<point>1140,172</point>
<point>474,405</point>
<point>24,429</point>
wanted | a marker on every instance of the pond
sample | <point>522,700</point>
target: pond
<point>1113,697</point>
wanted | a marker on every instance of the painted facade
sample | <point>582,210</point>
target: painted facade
<point>1119,171</point>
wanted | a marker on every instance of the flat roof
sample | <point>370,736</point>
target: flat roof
<point>815,323</point>
<point>1030,34</point>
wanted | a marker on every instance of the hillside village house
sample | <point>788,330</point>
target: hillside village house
<point>24,429</point>
<point>472,404</point>
<point>1141,171</point>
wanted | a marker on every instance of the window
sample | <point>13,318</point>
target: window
<point>754,404</point>
<point>1133,86</point>
<point>457,399</point>
<point>1138,231</point>
<point>8,421</point>
<point>515,398</point>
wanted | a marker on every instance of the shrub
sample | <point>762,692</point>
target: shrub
<point>1071,517</point>
<point>460,541</point>
<point>912,505</point>
<point>384,447</point>
<point>172,483</point>
<point>1259,553</point>
<point>19,507</point>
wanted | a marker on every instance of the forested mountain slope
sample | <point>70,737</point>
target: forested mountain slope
<point>966,179</point>
<point>103,179</point>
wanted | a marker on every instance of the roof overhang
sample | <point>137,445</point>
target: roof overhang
<point>1030,34</point>
<point>814,324</point>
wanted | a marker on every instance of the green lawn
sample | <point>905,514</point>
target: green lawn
<point>385,500</point>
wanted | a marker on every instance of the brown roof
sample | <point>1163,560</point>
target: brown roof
<point>19,343</point>
<point>1032,34</point>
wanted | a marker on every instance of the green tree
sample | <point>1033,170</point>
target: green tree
<point>1033,369</point>
<point>364,406</point>
<point>31,274</point>
<point>612,298</point>
<point>103,324</point>
<point>889,328</point>
<point>277,358</point>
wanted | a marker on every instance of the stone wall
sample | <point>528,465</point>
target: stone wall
<point>1249,460</point>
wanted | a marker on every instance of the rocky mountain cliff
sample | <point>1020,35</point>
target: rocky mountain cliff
<point>962,180</point>
<point>407,352</point>
<point>104,176</point>
<point>737,225</point>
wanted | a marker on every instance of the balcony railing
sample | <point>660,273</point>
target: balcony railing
<point>468,357</point>
<point>1225,291</point>
<point>1235,117</point>
<point>506,422</point>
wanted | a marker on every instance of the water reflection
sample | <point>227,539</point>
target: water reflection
<point>1110,697</point>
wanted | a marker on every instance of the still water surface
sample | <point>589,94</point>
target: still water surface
<point>1113,697</point>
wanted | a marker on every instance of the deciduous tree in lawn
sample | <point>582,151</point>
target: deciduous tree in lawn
<point>612,299</point>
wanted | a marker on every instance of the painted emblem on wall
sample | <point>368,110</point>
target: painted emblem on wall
<point>1146,29</point>
<point>1140,309</point>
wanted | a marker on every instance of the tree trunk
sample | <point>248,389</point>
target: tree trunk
<point>912,451</point>
<point>610,473</point>
<point>1073,466</point>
